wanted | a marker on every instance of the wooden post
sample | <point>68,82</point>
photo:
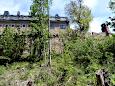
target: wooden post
<point>49,44</point>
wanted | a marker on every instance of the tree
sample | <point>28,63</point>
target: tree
<point>39,24</point>
<point>112,19</point>
<point>7,41</point>
<point>112,5</point>
<point>13,44</point>
<point>79,14</point>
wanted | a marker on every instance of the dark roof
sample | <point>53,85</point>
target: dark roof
<point>7,17</point>
<point>28,18</point>
<point>15,17</point>
<point>52,18</point>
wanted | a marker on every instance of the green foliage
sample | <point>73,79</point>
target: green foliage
<point>90,54</point>
<point>39,27</point>
<point>2,70</point>
<point>7,41</point>
<point>83,56</point>
<point>112,5</point>
<point>79,14</point>
<point>12,44</point>
<point>76,66</point>
<point>112,8</point>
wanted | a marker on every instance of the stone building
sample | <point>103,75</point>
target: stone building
<point>22,21</point>
<point>7,20</point>
<point>57,24</point>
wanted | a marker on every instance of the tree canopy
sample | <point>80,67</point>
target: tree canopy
<point>112,5</point>
<point>39,32</point>
<point>79,13</point>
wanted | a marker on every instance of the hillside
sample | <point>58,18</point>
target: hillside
<point>76,66</point>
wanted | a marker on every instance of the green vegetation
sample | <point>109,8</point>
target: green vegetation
<point>112,5</point>
<point>12,45</point>
<point>79,14</point>
<point>76,66</point>
<point>39,26</point>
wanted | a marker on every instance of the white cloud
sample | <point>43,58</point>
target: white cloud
<point>95,25</point>
<point>58,7</point>
<point>15,5</point>
<point>91,3</point>
<point>9,6</point>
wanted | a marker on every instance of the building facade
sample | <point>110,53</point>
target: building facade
<point>7,20</point>
<point>57,24</point>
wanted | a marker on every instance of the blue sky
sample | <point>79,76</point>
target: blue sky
<point>100,10</point>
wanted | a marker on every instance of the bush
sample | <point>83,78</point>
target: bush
<point>12,44</point>
<point>88,54</point>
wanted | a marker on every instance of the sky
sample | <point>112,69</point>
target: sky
<point>99,8</point>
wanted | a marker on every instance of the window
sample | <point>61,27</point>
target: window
<point>6,25</point>
<point>29,25</point>
<point>0,25</point>
<point>56,25</point>
<point>52,26</point>
<point>62,26</point>
<point>24,25</point>
<point>12,25</point>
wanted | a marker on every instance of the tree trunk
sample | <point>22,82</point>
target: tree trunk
<point>102,76</point>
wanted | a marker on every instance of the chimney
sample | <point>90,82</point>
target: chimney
<point>6,13</point>
<point>57,17</point>
<point>18,13</point>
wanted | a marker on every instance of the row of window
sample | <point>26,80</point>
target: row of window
<point>61,26</point>
<point>13,25</point>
